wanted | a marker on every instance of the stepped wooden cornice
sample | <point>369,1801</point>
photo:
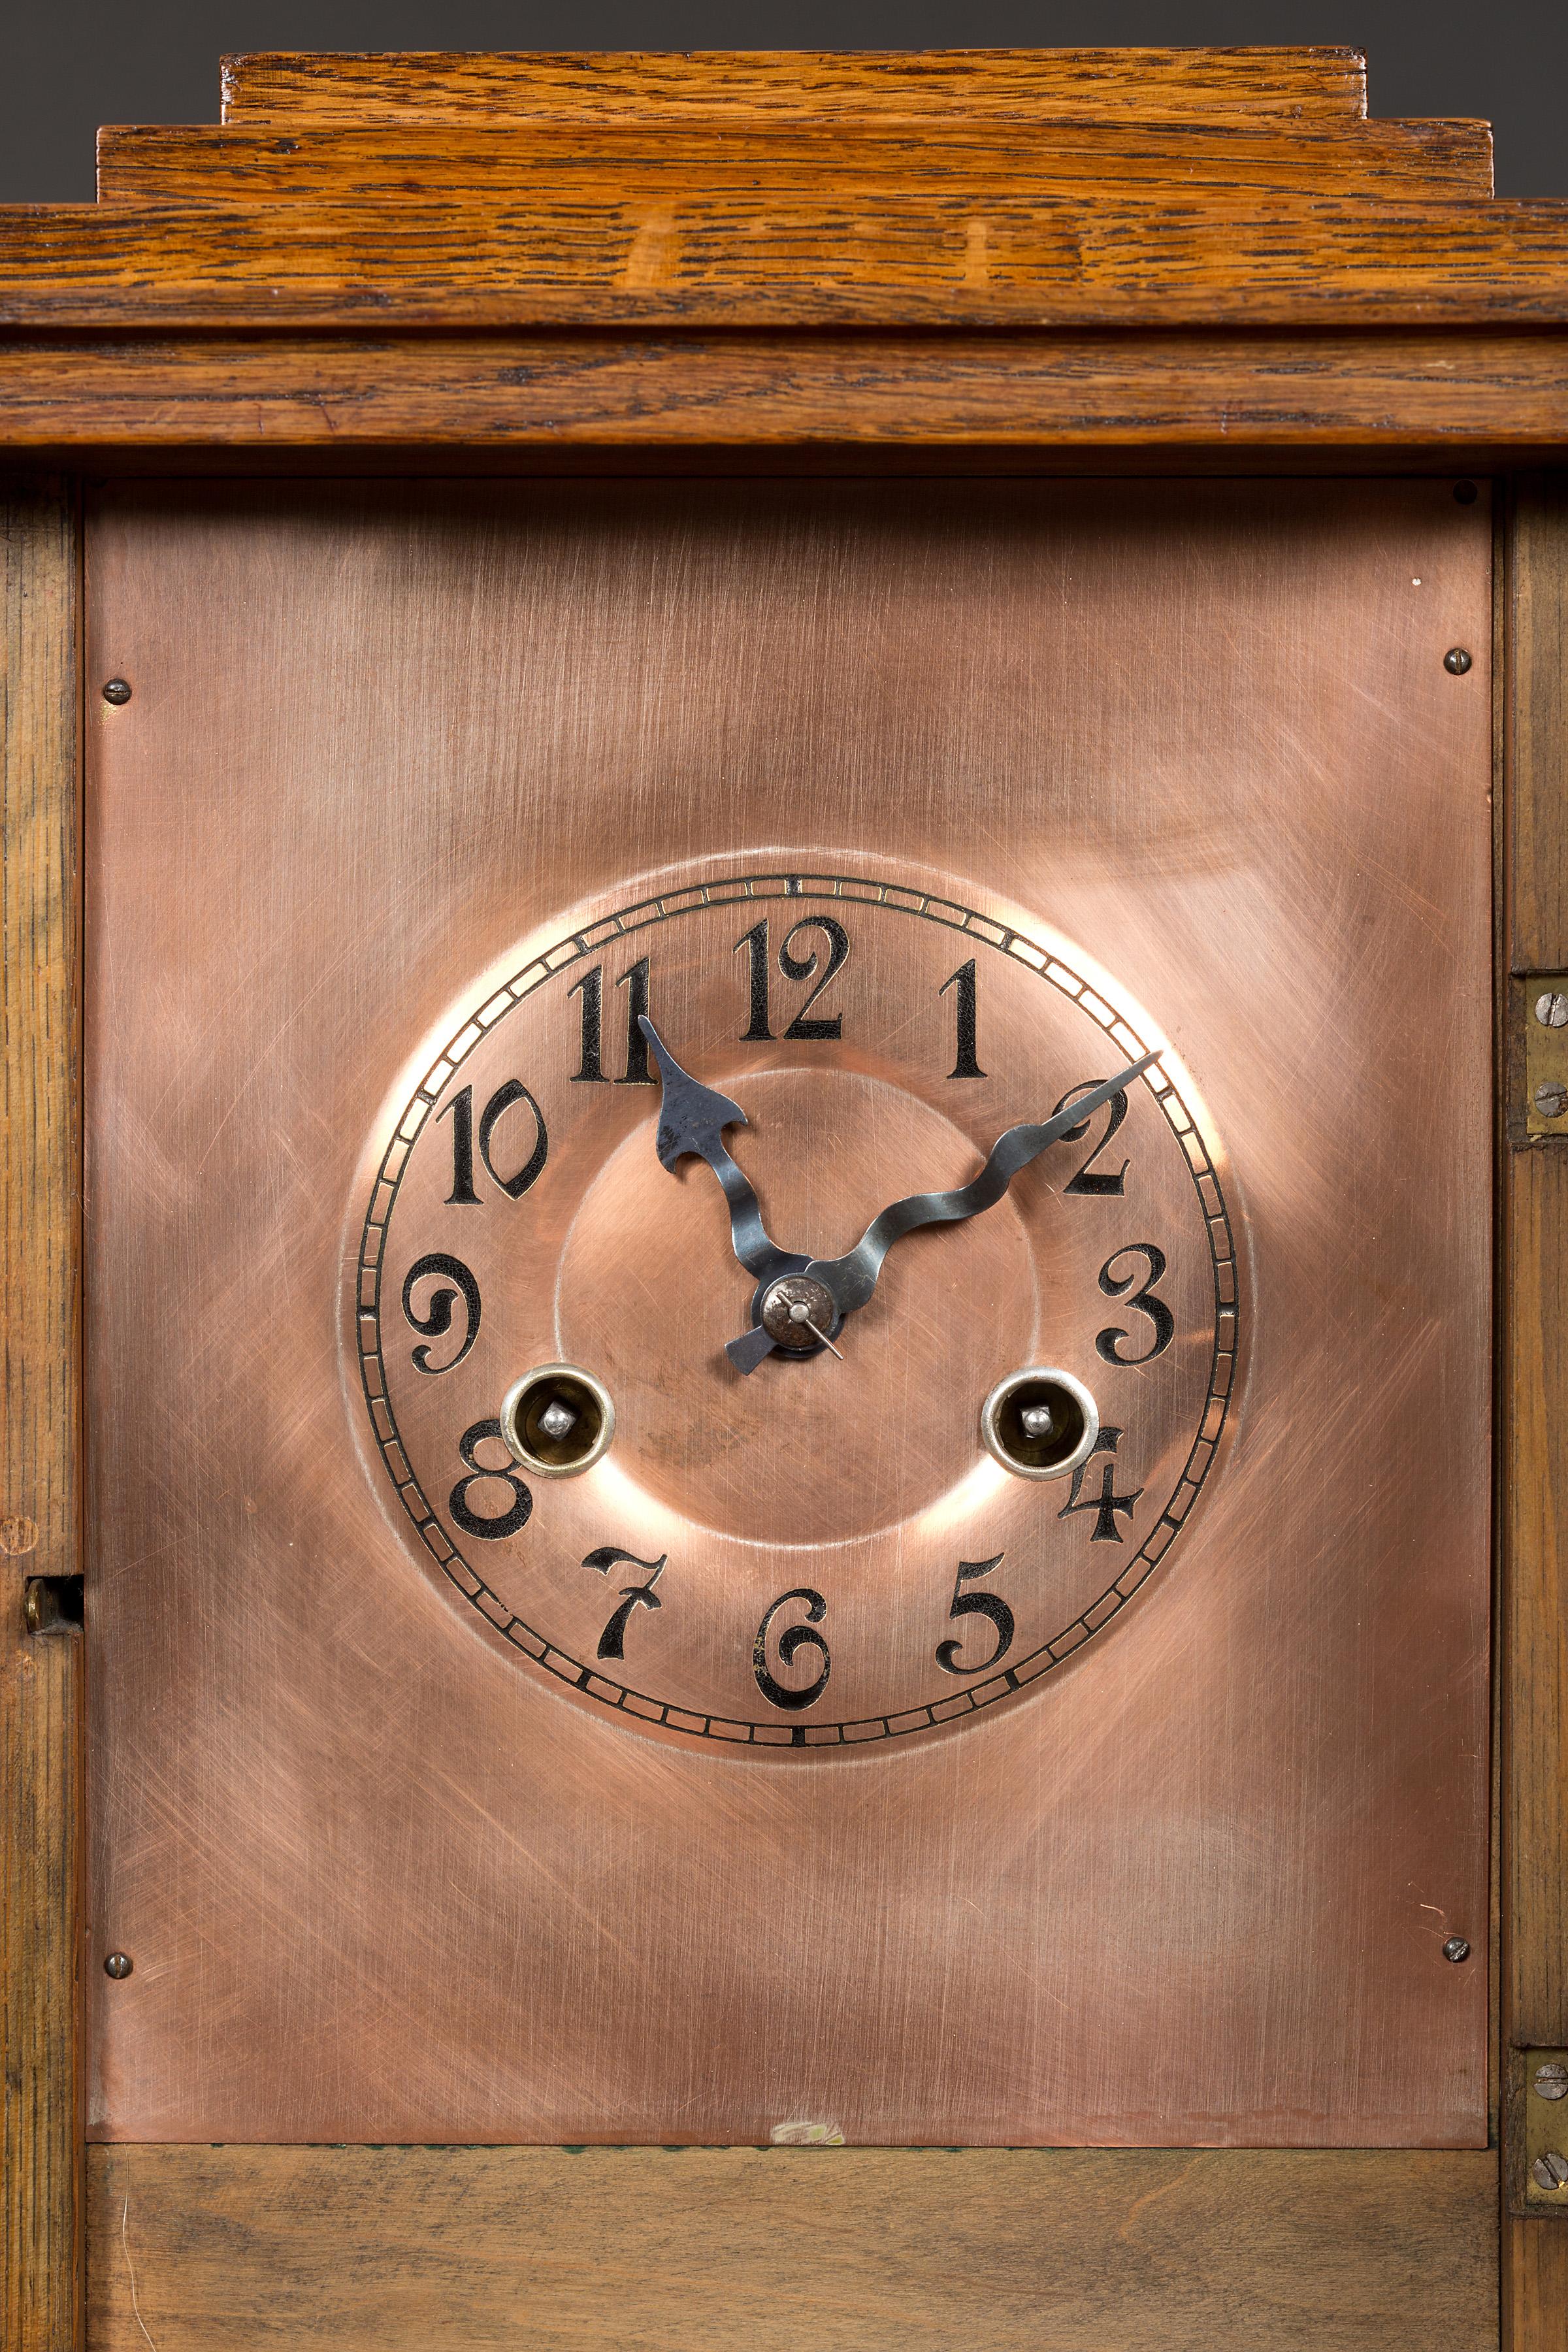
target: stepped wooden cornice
<point>1018,247</point>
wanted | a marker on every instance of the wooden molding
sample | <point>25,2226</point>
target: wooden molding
<point>651,156</point>
<point>744,261</point>
<point>1464,402</point>
<point>801,85</point>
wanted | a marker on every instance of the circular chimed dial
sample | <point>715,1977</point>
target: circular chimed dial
<point>796,1311</point>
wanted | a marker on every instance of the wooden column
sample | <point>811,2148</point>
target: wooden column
<point>40,1671</point>
<point>1534,1436</point>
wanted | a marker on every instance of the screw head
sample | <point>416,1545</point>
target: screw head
<point>780,1321</point>
<point>118,1964</point>
<point>1457,661</point>
<point>117,690</point>
<point>1466,493</point>
<point>1552,1099</point>
<point>1551,2170</point>
<point>1551,2081</point>
<point>1552,1010</point>
<point>1457,1948</point>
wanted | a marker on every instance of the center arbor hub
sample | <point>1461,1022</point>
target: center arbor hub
<point>798,1313</point>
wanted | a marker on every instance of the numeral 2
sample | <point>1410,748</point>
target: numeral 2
<point>758,1030</point>
<point>1089,1179</point>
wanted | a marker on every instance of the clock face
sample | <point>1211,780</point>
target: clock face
<point>664,1490</point>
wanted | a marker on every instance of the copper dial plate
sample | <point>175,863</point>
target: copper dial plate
<point>846,1508</point>
<point>383,1875</point>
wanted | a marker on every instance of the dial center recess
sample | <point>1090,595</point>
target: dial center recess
<point>808,1450</point>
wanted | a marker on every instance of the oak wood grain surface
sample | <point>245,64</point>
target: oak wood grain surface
<point>159,163</point>
<point>1472,396</point>
<point>40,1677</point>
<point>1534,1630</point>
<point>448,2249</point>
<point>746,261</point>
<point>1005,84</point>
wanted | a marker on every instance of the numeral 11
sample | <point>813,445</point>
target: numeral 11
<point>591,989</point>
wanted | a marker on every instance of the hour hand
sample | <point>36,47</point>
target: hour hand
<point>692,1119</point>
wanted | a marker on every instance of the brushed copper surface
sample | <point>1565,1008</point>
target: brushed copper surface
<point>381,1873</point>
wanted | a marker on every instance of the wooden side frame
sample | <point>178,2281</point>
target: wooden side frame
<point>1533,1206</point>
<point>40,1671</point>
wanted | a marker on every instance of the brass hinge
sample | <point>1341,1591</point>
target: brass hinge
<point>1538,1057</point>
<point>1537,2136</point>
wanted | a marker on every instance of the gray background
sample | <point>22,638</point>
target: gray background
<point>67,65</point>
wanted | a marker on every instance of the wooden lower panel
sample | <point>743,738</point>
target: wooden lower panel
<point>1070,2250</point>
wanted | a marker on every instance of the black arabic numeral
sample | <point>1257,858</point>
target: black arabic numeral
<point>461,1107</point>
<point>591,989</point>
<point>1144,1299</point>
<point>461,1111</point>
<point>612,1640</point>
<point>802,967</point>
<point>1089,1180</point>
<point>437,1317</point>
<point>471,1522</point>
<point>790,1642</point>
<point>965,1007</point>
<point>1108,1506</point>
<point>590,1070</point>
<point>755,942</point>
<point>976,1605</point>
<point>635,982</point>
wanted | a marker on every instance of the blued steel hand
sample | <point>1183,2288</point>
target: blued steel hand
<point>850,1280</point>
<point>691,1122</point>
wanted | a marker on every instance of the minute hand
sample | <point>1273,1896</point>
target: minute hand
<point>852,1278</point>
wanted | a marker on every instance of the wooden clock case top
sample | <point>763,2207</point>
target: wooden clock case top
<point>1079,261</point>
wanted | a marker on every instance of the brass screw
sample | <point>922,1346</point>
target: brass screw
<point>1457,661</point>
<point>118,1964</point>
<point>1551,2170</point>
<point>1551,2080</point>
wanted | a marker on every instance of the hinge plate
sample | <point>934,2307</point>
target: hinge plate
<point>1537,2133</point>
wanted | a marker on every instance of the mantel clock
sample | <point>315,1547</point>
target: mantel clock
<point>785,983</point>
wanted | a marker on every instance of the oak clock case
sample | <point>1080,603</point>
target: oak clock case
<point>596,908</point>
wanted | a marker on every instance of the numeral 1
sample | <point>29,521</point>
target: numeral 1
<point>964,1005</point>
<point>591,989</point>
